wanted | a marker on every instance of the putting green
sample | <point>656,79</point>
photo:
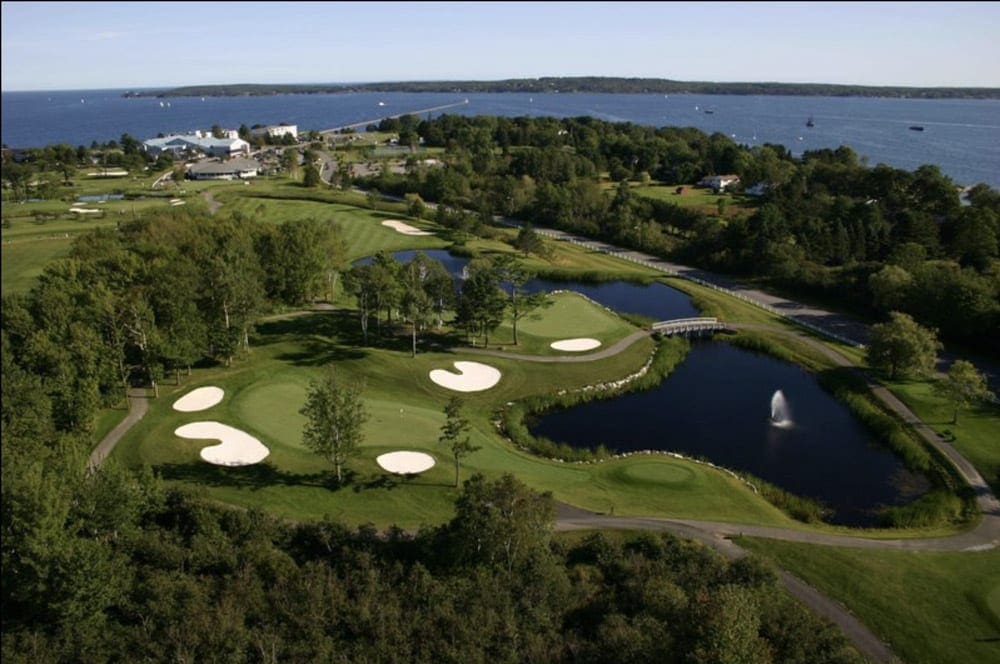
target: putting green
<point>658,473</point>
<point>271,408</point>
<point>572,315</point>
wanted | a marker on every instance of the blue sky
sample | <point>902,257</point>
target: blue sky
<point>88,45</point>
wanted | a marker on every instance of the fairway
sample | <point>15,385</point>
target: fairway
<point>21,262</point>
<point>263,397</point>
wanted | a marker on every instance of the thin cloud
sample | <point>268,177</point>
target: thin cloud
<point>105,36</point>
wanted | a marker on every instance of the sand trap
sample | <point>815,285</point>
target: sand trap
<point>404,228</point>
<point>84,210</point>
<point>235,448</point>
<point>471,377</point>
<point>405,463</point>
<point>576,344</point>
<point>202,398</point>
<point>176,203</point>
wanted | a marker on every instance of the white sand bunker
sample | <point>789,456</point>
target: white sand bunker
<point>471,377</point>
<point>576,344</point>
<point>202,398</point>
<point>405,463</point>
<point>404,228</point>
<point>235,448</point>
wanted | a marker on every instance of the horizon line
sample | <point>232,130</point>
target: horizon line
<point>501,80</point>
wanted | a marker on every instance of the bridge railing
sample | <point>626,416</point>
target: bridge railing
<point>681,322</point>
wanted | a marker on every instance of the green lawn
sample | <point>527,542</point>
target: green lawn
<point>264,394</point>
<point>930,607</point>
<point>22,262</point>
<point>976,436</point>
<point>569,316</point>
<point>694,197</point>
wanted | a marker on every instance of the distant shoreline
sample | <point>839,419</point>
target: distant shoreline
<point>571,85</point>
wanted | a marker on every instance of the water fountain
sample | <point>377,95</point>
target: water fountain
<point>781,416</point>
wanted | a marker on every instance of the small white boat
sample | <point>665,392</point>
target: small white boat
<point>381,103</point>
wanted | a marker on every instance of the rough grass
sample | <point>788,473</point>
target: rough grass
<point>930,607</point>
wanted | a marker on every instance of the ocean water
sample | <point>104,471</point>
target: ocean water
<point>961,136</point>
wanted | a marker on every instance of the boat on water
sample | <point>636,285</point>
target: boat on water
<point>709,112</point>
<point>810,122</point>
<point>381,103</point>
<point>916,128</point>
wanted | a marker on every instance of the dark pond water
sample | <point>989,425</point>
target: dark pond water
<point>656,300</point>
<point>716,405</point>
<point>96,198</point>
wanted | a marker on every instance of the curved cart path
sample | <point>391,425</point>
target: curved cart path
<point>138,403</point>
<point>613,349</point>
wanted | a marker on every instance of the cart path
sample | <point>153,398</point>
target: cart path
<point>138,403</point>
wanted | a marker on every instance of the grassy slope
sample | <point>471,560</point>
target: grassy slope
<point>930,607</point>
<point>976,435</point>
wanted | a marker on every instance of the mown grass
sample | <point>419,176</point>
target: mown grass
<point>263,396</point>
<point>22,262</point>
<point>930,607</point>
<point>568,315</point>
<point>977,434</point>
<point>693,197</point>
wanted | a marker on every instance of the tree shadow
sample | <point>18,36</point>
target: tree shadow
<point>256,476</point>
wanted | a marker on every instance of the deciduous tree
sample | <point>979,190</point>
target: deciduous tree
<point>962,387</point>
<point>901,346</point>
<point>335,415</point>
<point>455,432</point>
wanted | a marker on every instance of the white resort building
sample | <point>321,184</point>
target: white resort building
<point>230,169</point>
<point>198,141</point>
<point>718,183</point>
<point>276,131</point>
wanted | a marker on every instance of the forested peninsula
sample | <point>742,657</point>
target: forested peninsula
<point>591,84</point>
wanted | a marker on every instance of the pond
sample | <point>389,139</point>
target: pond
<point>99,198</point>
<point>717,405</point>
<point>657,301</point>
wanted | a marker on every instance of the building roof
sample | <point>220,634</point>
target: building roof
<point>224,167</point>
<point>205,143</point>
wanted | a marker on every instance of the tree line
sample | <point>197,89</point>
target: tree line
<point>868,239</point>
<point>150,299</point>
<point>569,84</point>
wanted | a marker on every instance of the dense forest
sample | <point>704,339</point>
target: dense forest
<point>580,84</point>
<point>825,226</point>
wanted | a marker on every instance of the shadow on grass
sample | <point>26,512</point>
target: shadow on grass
<point>257,476</point>
<point>262,475</point>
